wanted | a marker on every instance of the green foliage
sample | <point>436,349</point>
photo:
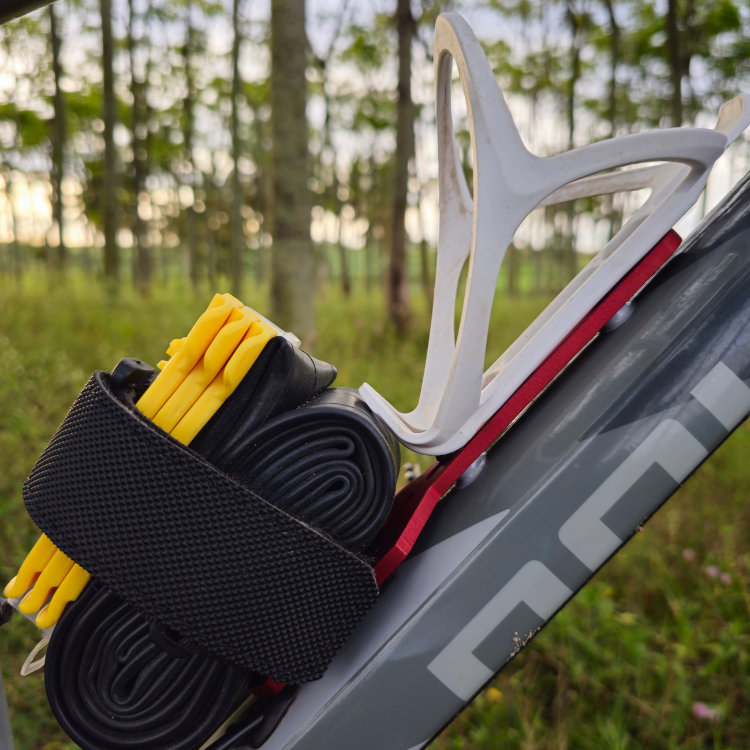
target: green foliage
<point>367,50</point>
<point>28,127</point>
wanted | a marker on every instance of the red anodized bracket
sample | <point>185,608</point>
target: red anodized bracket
<point>415,503</point>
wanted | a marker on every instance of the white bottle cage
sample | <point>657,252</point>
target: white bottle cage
<point>509,182</point>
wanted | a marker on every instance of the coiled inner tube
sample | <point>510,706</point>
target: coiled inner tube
<point>110,686</point>
<point>321,456</point>
<point>328,463</point>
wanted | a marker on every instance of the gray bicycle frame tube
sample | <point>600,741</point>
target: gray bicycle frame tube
<point>6,736</point>
<point>592,459</point>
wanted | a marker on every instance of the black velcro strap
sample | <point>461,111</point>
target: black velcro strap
<point>191,548</point>
<point>323,457</point>
<point>330,463</point>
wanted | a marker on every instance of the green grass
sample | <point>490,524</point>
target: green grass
<point>621,667</point>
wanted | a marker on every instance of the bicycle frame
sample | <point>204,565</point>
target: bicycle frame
<point>562,491</point>
<point>6,738</point>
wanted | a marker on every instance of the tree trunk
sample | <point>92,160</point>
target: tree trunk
<point>427,284</point>
<point>189,135</point>
<point>608,202</point>
<point>142,262</point>
<point>398,282</point>
<point>58,143</point>
<point>614,60</point>
<point>511,262</point>
<point>346,285</point>
<point>675,62</point>
<point>346,279</point>
<point>549,252</point>
<point>293,260</point>
<point>512,265</point>
<point>570,260</point>
<point>264,198</point>
<point>538,258</point>
<point>237,235</point>
<point>109,197</point>
<point>575,73</point>
<point>211,210</point>
<point>368,261</point>
<point>16,259</point>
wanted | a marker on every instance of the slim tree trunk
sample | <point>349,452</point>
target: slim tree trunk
<point>262,190</point>
<point>691,39</point>
<point>368,261</point>
<point>58,142</point>
<point>237,235</point>
<point>189,134</point>
<point>293,260</point>
<point>675,62</point>
<point>346,285</point>
<point>538,283</point>
<point>346,279</point>
<point>569,260</point>
<point>614,61</point>
<point>109,197</point>
<point>575,73</point>
<point>549,252</point>
<point>142,262</point>
<point>511,262</point>
<point>346,282</point>
<point>211,239</point>
<point>428,285</point>
<point>16,259</point>
<point>512,265</point>
<point>398,288</point>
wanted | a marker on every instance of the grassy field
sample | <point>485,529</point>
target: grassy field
<point>653,653</point>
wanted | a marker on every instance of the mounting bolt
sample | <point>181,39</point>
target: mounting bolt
<point>472,472</point>
<point>619,317</point>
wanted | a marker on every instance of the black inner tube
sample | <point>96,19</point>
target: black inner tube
<point>110,686</point>
<point>321,455</point>
<point>329,464</point>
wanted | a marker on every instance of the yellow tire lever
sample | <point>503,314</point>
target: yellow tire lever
<point>49,580</point>
<point>224,384</point>
<point>188,354</point>
<point>206,369</point>
<point>36,561</point>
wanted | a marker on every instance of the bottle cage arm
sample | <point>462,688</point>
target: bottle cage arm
<point>509,182</point>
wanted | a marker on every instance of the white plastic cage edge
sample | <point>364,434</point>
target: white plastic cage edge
<point>509,182</point>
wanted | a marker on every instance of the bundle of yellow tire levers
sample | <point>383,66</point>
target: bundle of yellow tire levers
<point>204,369</point>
